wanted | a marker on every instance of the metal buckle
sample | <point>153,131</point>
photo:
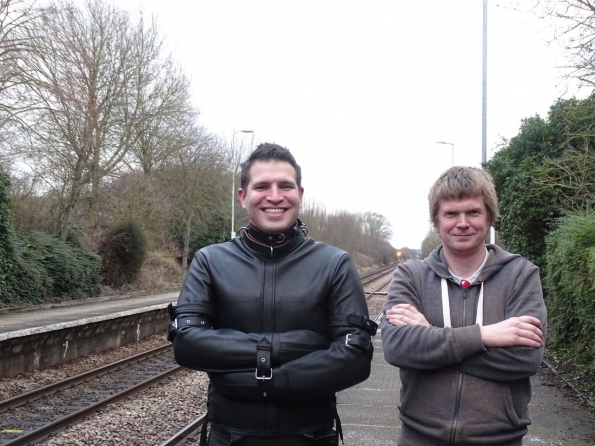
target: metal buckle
<point>263,378</point>
<point>175,323</point>
<point>347,339</point>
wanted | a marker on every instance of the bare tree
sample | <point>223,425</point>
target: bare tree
<point>163,99</point>
<point>91,83</point>
<point>193,176</point>
<point>14,15</point>
<point>376,226</point>
<point>315,217</point>
<point>574,27</point>
<point>430,242</point>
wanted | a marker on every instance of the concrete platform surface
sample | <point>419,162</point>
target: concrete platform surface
<point>74,313</point>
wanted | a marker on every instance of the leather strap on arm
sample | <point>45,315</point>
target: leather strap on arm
<point>355,340</point>
<point>355,320</point>
<point>191,321</point>
<point>264,370</point>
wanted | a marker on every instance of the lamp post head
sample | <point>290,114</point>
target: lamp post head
<point>452,146</point>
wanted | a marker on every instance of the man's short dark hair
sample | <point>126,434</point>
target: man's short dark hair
<point>266,152</point>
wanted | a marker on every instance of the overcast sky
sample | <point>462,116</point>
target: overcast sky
<point>360,91</point>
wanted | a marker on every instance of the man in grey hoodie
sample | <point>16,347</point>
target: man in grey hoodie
<point>466,326</point>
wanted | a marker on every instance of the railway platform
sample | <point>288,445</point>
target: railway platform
<point>368,411</point>
<point>42,336</point>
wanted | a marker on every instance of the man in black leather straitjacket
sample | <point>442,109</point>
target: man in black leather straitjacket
<point>278,321</point>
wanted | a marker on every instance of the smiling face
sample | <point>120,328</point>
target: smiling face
<point>272,197</point>
<point>463,225</point>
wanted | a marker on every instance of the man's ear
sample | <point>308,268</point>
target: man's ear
<point>242,196</point>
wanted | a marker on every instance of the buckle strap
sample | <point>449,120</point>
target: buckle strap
<point>191,321</point>
<point>362,321</point>
<point>355,340</point>
<point>356,320</point>
<point>264,371</point>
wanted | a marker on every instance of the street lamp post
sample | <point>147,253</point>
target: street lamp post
<point>233,177</point>
<point>453,149</point>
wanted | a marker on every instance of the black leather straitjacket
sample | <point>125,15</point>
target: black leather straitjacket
<point>278,329</point>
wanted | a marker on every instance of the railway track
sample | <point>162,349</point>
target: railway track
<point>33,416</point>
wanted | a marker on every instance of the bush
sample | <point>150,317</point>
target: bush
<point>570,286</point>
<point>36,267</point>
<point>45,268</point>
<point>5,235</point>
<point>123,250</point>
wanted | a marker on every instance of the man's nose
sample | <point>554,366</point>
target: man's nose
<point>274,194</point>
<point>462,220</point>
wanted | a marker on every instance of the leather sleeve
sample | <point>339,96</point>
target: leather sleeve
<point>322,372</point>
<point>200,347</point>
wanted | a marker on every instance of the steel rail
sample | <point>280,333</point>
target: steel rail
<point>384,284</point>
<point>35,394</point>
<point>368,277</point>
<point>59,424</point>
<point>188,433</point>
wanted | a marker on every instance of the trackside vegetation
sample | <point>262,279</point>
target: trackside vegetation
<point>123,251</point>
<point>545,180</point>
<point>5,235</point>
<point>38,268</point>
<point>570,281</point>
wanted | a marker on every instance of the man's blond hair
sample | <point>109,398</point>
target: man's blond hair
<point>464,182</point>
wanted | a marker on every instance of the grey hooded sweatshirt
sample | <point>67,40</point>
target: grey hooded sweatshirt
<point>454,390</point>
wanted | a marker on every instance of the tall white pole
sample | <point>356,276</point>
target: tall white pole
<point>233,178</point>
<point>484,99</point>
<point>233,186</point>
<point>484,84</point>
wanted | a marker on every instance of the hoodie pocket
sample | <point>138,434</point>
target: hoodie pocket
<point>428,400</point>
<point>434,402</point>
<point>486,409</point>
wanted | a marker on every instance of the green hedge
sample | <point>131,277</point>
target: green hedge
<point>45,269</point>
<point>36,267</point>
<point>123,251</point>
<point>570,286</point>
<point>5,235</point>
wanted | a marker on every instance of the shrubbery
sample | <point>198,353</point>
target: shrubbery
<point>570,285</point>
<point>5,231</point>
<point>123,251</point>
<point>46,268</point>
<point>36,267</point>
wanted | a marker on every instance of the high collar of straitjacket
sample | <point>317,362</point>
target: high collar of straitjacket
<point>277,239</point>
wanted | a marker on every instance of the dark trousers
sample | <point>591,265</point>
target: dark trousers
<point>219,438</point>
